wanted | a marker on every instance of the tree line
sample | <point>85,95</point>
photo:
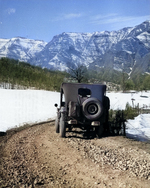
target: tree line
<point>24,74</point>
<point>136,82</point>
<point>21,73</point>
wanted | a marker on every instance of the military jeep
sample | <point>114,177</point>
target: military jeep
<point>84,106</point>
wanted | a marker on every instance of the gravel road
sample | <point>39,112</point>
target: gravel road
<point>38,157</point>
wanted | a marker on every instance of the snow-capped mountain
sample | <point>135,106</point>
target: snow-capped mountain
<point>20,48</point>
<point>127,49</point>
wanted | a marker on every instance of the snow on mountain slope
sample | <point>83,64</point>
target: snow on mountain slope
<point>145,38</point>
<point>3,47</point>
<point>20,48</point>
<point>3,42</point>
<point>120,49</point>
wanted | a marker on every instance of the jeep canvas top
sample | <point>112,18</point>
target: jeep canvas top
<point>71,91</point>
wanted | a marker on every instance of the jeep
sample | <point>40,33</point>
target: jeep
<point>82,105</point>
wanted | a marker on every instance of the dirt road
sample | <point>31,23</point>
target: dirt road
<point>38,157</point>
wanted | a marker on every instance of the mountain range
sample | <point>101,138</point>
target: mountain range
<point>127,50</point>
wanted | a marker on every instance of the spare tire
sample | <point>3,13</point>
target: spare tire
<point>92,108</point>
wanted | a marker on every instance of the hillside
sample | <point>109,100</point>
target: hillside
<point>15,74</point>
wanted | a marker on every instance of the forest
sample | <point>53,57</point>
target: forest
<point>24,74</point>
<point>136,82</point>
<point>21,73</point>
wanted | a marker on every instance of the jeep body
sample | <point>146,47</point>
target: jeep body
<point>84,106</point>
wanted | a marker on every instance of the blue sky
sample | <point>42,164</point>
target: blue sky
<point>43,19</point>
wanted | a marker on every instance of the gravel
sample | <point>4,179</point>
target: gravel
<point>21,166</point>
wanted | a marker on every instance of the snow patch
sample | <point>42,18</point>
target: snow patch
<point>140,126</point>
<point>18,107</point>
<point>119,100</point>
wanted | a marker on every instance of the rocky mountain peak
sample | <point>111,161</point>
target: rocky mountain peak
<point>121,49</point>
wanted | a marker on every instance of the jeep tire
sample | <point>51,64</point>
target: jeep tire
<point>62,126</point>
<point>57,124</point>
<point>92,108</point>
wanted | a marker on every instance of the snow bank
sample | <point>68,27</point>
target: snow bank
<point>139,127</point>
<point>18,107</point>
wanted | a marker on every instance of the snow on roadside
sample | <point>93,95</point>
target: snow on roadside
<point>139,127</point>
<point>18,107</point>
<point>119,100</point>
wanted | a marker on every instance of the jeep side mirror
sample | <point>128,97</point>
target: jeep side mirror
<point>56,105</point>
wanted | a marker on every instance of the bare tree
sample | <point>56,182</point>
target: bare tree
<point>78,72</point>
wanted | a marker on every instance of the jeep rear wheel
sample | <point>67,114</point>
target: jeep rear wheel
<point>57,124</point>
<point>92,108</point>
<point>62,126</point>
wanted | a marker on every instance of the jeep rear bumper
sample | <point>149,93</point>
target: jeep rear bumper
<point>75,122</point>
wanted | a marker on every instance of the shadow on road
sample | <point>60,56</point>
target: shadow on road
<point>84,134</point>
